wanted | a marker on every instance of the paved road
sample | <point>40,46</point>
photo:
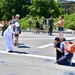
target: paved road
<point>35,56</point>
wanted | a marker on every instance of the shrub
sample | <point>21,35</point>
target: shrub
<point>69,21</point>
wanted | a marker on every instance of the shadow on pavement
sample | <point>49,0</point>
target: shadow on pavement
<point>24,47</point>
<point>73,65</point>
<point>18,52</point>
<point>21,43</point>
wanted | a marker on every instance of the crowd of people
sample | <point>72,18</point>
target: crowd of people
<point>11,32</point>
<point>11,35</point>
<point>63,57</point>
<point>50,24</point>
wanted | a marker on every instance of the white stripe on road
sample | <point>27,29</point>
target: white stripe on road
<point>29,55</point>
<point>32,55</point>
<point>45,45</point>
<point>71,38</point>
<point>35,38</point>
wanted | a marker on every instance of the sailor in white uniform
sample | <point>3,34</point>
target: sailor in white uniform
<point>8,36</point>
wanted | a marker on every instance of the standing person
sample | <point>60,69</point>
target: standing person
<point>18,29</point>
<point>61,26</point>
<point>50,24</point>
<point>12,20</point>
<point>44,24</point>
<point>8,36</point>
<point>30,23</point>
<point>4,22</point>
<point>37,26</point>
<point>59,54</point>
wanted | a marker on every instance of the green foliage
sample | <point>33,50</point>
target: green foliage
<point>25,22</point>
<point>45,8</point>
<point>36,8</point>
<point>12,7</point>
<point>69,21</point>
<point>26,7</point>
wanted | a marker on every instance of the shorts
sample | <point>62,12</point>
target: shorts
<point>37,26</point>
<point>16,34</point>
<point>44,26</point>
<point>60,29</point>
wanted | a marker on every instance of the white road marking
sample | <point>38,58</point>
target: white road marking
<point>1,36</point>
<point>35,38</point>
<point>45,45</point>
<point>70,38</point>
<point>31,55</point>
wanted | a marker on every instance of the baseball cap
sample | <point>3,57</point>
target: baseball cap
<point>57,38</point>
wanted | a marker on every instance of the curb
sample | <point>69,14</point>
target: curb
<point>68,32</point>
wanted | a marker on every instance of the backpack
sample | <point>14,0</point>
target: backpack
<point>70,47</point>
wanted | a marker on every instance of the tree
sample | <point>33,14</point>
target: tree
<point>11,7</point>
<point>45,8</point>
<point>32,7</point>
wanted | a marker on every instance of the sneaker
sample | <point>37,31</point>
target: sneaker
<point>10,51</point>
<point>51,34</point>
<point>18,45</point>
<point>55,61</point>
<point>15,44</point>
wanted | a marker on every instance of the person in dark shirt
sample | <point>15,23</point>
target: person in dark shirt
<point>57,45</point>
<point>12,20</point>
<point>18,29</point>
<point>4,22</point>
<point>30,23</point>
<point>44,24</point>
<point>37,26</point>
<point>67,58</point>
<point>50,24</point>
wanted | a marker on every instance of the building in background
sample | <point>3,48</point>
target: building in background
<point>68,6</point>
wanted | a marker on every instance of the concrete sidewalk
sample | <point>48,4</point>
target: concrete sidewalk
<point>66,31</point>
